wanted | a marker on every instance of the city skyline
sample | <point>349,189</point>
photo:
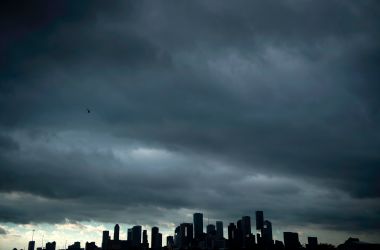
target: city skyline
<point>145,112</point>
<point>239,235</point>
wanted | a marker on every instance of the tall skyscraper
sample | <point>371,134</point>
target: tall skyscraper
<point>129,235</point>
<point>198,225</point>
<point>185,234</point>
<point>259,220</point>
<point>136,236</point>
<point>155,238</point>
<point>267,233</point>
<point>145,243</point>
<point>105,239</point>
<point>31,245</point>
<point>219,229</point>
<point>231,231</point>
<point>116,232</point>
<point>246,225</point>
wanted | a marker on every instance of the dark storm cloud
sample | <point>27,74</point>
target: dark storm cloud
<point>284,89</point>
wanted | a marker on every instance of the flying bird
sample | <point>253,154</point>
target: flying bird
<point>88,111</point>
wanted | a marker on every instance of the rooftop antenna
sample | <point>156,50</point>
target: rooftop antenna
<point>42,242</point>
<point>33,234</point>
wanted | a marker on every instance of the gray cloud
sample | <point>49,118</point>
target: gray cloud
<point>280,99</point>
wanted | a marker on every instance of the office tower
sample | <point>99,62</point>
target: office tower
<point>145,244</point>
<point>116,232</point>
<point>158,241</point>
<point>267,234</point>
<point>154,238</point>
<point>231,231</point>
<point>312,242</point>
<point>246,226</point>
<point>291,241</point>
<point>170,242</point>
<point>31,245</point>
<point>259,220</point>
<point>136,236</point>
<point>106,237</point>
<point>198,225</point>
<point>219,229</point>
<point>177,236</point>
<point>129,235</point>
<point>50,245</point>
<point>210,229</point>
<point>185,234</point>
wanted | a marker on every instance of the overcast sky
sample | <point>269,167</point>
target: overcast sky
<point>222,107</point>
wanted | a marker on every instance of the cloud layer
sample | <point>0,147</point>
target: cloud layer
<point>204,106</point>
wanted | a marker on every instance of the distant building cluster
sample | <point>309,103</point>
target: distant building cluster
<point>192,236</point>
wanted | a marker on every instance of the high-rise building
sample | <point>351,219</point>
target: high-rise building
<point>155,239</point>
<point>231,231</point>
<point>116,232</point>
<point>291,241</point>
<point>50,245</point>
<point>170,242</point>
<point>259,220</point>
<point>246,225</point>
<point>129,234</point>
<point>210,229</point>
<point>185,235</point>
<point>198,225</point>
<point>145,243</point>
<point>136,236</point>
<point>219,229</point>
<point>312,242</point>
<point>267,234</point>
<point>31,245</point>
<point>105,239</point>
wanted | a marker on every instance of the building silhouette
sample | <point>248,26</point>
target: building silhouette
<point>50,245</point>
<point>116,232</point>
<point>31,245</point>
<point>291,241</point>
<point>219,229</point>
<point>136,236</point>
<point>198,225</point>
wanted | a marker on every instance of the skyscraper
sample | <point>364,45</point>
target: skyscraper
<point>259,220</point>
<point>185,234</point>
<point>198,225</point>
<point>106,237</point>
<point>31,245</point>
<point>155,238</point>
<point>136,236</point>
<point>219,229</point>
<point>210,229</point>
<point>267,234</point>
<point>129,235</point>
<point>231,231</point>
<point>246,225</point>
<point>145,243</point>
<point>116,232</point>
